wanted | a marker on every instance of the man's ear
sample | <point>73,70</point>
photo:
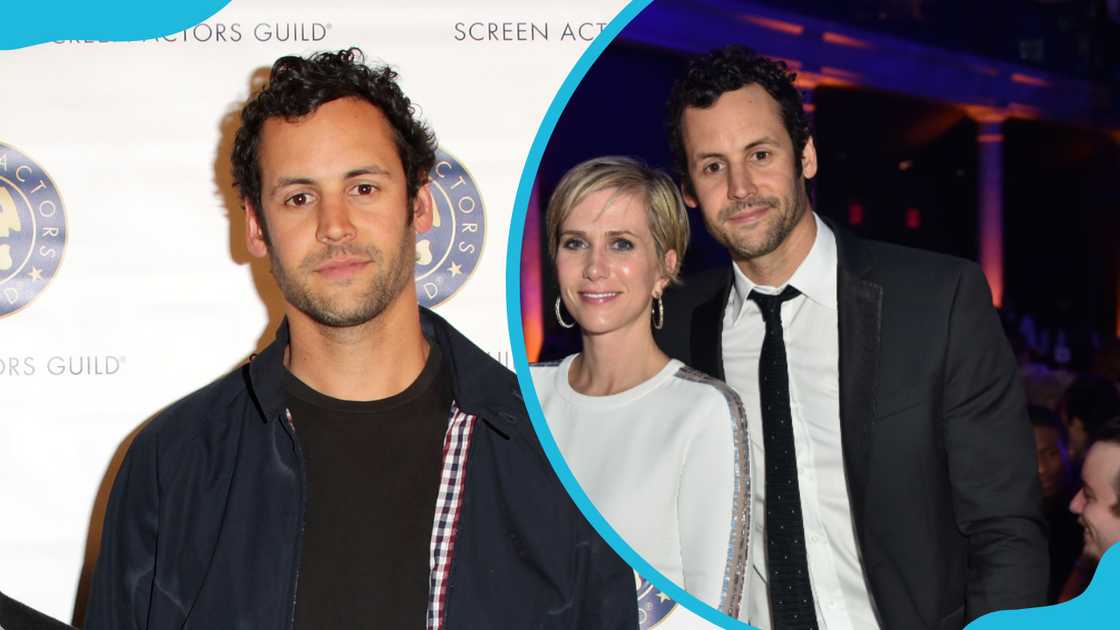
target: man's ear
<point>255,240</point>
<point>809,159</point>
<point>423,210</point>
<point>686,194</point>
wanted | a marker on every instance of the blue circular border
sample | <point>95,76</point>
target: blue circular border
<point>517,333</point>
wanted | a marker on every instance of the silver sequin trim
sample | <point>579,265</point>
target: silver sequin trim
<point>735,572</point>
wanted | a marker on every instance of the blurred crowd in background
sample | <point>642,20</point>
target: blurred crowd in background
<point>1072,381</point>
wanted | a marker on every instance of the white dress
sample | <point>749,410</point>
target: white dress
<point>666,463</point>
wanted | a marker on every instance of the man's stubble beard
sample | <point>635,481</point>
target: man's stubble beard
<point>775,234</point>
<point>386,284</point>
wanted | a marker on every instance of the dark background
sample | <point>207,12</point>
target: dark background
<point>901,165</point>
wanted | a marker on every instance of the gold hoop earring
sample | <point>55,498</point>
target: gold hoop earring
<point>660,320</point>
<point>559,317</point>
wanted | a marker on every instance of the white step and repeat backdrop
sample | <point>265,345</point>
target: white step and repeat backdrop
<point>137,289</point>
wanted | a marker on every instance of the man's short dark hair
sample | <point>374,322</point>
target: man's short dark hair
<point>298,86</point>
<point>725,70</point>
<point>1109,431</point>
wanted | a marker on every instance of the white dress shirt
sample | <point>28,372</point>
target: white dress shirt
<point>810,328</point>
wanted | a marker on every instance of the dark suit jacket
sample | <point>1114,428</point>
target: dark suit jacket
<point>937,446</point>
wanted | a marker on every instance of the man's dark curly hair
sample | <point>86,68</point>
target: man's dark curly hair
<point>725,70</point>
<point>297,87</point>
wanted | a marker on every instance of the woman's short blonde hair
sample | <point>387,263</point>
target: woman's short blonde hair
<point>668,219</point>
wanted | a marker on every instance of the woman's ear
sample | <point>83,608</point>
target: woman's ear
<point>668,270</point>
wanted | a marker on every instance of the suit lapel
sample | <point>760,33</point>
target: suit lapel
<point>860,303</point>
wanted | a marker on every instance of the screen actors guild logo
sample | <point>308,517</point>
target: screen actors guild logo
<point>32,230</point>
<point>447,254</point>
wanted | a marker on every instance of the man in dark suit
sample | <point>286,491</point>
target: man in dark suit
<point>893,461</point>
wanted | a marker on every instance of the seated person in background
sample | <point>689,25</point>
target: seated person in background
<point>1088,402</point>
<point>659,448</point>
<point>1056,478</point>
<point>1097,504</point>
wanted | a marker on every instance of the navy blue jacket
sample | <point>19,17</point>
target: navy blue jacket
<point>204,523</point>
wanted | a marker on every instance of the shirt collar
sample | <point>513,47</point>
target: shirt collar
<point>815,277</point>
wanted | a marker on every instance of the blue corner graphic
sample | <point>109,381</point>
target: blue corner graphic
<point>30,23</point>
<point>1093,609</point>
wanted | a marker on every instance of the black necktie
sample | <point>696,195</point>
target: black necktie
<point>791,597</point>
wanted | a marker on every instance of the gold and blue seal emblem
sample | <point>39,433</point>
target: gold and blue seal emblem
<point>447,254</point>
<point>653,605</point>
<point>32,229</point>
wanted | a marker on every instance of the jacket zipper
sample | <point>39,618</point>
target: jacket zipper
<point>287,419</point>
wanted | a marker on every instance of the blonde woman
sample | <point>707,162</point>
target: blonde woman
<point>660,449</point>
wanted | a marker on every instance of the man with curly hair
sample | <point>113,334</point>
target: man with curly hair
<point>371,467</point>
<point>894,479</point>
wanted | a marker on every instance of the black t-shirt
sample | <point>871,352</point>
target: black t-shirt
<point>373,473</point>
